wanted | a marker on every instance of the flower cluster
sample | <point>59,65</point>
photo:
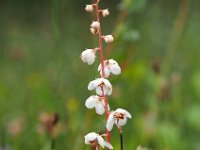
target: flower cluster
<point>102,85</point>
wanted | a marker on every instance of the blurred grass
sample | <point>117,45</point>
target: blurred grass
<point>41,72</point>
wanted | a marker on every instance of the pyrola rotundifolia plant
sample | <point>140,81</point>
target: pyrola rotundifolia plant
<point>102,85</point>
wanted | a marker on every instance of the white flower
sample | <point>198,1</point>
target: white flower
<point>108,38</point>
<point>96,102</point>
<point>110,66</point>
<point>89,8</point>
<point>93,138</point>
<point>119,117</point>
<point>105,12</point>
<point>95,25</point>
<point>88,56</point>
<point>101,85</point>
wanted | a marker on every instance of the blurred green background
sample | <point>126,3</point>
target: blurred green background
<point>156,44</point>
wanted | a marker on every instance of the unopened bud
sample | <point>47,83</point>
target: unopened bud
<point>108,38</point>
<point>88,56</point>
<point>105,12</point>
<point>95,25</point>
<point>89,8</point>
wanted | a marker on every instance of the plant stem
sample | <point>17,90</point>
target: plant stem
<point>102,64</point>
<point>97,147</point>
<point>52,144</point>
<point>107,113</point>
<point>121,141</point>
<point>100,40</point>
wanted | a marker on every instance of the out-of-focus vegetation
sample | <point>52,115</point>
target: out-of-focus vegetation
<point>43,83</point>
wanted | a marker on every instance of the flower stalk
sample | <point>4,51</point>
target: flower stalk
<point>97,147</point>
<point>52,144</point>
<point>102,64</point>
<point>121,141</point>
<point>102,85</point>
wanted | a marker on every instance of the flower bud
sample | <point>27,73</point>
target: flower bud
<point>105,12</point>
<point>88,56</point>
<point>108,38</point>
<point>89,8</point>
<point>95,25</point>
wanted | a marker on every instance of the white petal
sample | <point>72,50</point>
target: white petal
<point>128,115</point>
<point>107,87</point>
<point>107,90</point>
<point>121,122</point>
<point>110,121</point>
<point>107,83</point>
<point>100,108</point>
<point>99,68</point>
<point>108,145</point>
<point>112,61</point>
<point>93,84</point>
<point>105,105</point>
<point>91,102</point>
<point>123,111</point>
<point>115,69</point>
<point>93,31</point>
<point>100,141</point>
<point>87,141</point>
<point>106,72</point>
<point>90,137</point>
<point>99,91</point>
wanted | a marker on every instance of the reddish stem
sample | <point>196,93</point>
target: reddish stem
<point>100,41</point>
<point>102,64</point>
<point>97,147</point>
<point>106,103</point>
<point>107,112</point>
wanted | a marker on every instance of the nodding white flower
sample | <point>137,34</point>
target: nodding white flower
<point>105,12</point>
<point>108,38</point>
<point>89,8</point>
<point>93,138</point>
<point>95,25</point>
<point>88,56</point>
<point>96,102</point>
<point>101,85</point>
<point>110,66</point>
<point>119,117</point>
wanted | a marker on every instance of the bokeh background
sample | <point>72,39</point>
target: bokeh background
<point>43,83</point>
